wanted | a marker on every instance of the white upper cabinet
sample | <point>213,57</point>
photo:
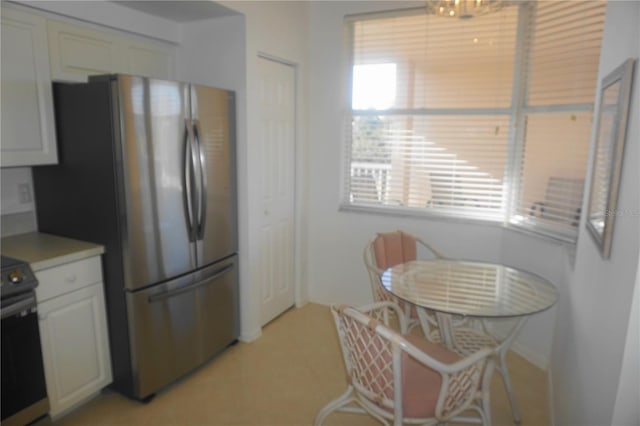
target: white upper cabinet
<point>157,61</point>
<point>37,50</point>
<point>28,133</point>
<point>77,52</point>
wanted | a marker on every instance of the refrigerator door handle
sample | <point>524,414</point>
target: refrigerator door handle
<point>202,214</point>
<point>171,293</point>
<point>188,180</point>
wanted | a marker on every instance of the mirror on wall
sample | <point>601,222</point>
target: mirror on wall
<point>611,116</point>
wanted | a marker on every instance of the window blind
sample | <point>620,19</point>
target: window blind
<point>429,124</point>
<point>486,118</point>
<point>561,69</point>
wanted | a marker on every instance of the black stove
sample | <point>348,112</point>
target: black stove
<point>24,392</point>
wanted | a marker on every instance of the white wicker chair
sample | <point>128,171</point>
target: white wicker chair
<point>387,250</point>
<point>405,379</point>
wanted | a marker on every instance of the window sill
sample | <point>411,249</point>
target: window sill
<point>569,242</point>
<point>417,213</point>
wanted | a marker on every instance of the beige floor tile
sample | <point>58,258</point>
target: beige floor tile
<point>282,379</point>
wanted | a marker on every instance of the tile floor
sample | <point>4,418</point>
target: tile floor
<point>282,379</point>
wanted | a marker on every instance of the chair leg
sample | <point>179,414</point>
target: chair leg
<point>340,401</point>
<point>504,372</point>
<point>486,393</point>
<point>502,366</point>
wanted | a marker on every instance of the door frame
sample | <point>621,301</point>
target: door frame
<point>299,298</point>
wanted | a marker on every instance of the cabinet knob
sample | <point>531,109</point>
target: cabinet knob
<point>71,279</point>
<point>42,317</point>
<point>15,277</point>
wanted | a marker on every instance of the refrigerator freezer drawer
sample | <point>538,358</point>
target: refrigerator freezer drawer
<point>178,325</point>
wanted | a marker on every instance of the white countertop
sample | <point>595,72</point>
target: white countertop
<point>44,251</point>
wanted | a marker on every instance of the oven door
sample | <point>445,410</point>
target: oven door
<point>24,392</point>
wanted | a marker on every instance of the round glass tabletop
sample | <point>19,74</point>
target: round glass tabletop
<point>470,288</point>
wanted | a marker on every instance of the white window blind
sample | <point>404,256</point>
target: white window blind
<point>476,118</point>
<point>433,134</point>
<point>561,71</point>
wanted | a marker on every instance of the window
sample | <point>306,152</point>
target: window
<point>485,118</point>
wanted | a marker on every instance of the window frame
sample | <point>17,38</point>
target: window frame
<point>514,163</point>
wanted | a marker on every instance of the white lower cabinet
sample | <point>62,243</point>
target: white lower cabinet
<point>73,333</point>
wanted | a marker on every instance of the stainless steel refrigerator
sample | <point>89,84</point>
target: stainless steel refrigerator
<point>147,168</point>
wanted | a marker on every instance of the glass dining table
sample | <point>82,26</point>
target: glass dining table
<point>460,293</point>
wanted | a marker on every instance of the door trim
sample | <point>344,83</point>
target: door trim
<point>273,58</point>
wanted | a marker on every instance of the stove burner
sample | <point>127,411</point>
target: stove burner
<point>17,277</point>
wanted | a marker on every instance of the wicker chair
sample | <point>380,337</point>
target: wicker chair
<point>399,378</point>
<point>390,249</point>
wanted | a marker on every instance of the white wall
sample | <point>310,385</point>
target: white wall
<point>594,313</point>
<point>627,408</point>
<point>336,238</point>
<point>17,205</point>
<point>212,53</point>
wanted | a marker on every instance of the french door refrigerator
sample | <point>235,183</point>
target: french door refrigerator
<point>147,168</point>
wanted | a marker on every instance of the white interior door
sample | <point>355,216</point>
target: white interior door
<point>277,134</point>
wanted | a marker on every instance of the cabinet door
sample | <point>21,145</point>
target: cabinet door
<point>149,60</point>
<point>75,347</point>
<point>78,52</point>
<point>28,136</point>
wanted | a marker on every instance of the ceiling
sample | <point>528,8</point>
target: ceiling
<point>179,11</point>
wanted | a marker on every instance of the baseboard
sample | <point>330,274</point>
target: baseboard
<point>75,406</point>
<point>534,358</point>
<point>552,411</point>
<point>250,336</point>
<point>540,361</point>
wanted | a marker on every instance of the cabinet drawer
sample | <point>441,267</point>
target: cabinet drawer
<point>72,276</point>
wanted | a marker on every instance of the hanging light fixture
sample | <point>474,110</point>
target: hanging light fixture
<point>463,9</point>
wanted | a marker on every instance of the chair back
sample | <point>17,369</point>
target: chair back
<point>378,363</point>
<point>389,249</point>
<point>377,290</point>
<point>367,355</point>
<point>393,248</point>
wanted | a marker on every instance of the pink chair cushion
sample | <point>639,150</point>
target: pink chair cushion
<point>421,385</point>
<point>393,248</point>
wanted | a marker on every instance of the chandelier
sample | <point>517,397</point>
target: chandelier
<point>463,9</point>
